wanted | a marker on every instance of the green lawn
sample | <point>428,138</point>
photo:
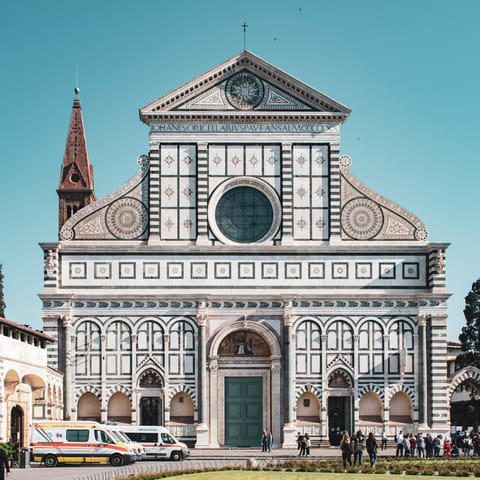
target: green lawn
<point>248,475</point>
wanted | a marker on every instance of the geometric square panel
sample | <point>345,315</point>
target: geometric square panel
<point>293,270</point>
<point>411,271</point>
<point>102,270</point>
<point>340,270</point>
<point>246,270</point>
<point>151,270</point>
<point>175,270</point>
<point>126,270</point>
<point>198,270</point>
<point>223,270</point>
<point>269,270</point>
<point>78,270</point>
<point>316,270</point>
<point>363,270</point>
<point>386,270</point>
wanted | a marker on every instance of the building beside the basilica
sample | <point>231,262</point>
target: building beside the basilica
<point>30,390</point>
<point>244,279</point>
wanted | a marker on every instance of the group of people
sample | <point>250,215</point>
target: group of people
<point>355,445</point>
<point>304,445</point>
<point>421,446</point>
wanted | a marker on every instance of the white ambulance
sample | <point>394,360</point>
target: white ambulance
<point>157,441</point>
<point>78,442</point>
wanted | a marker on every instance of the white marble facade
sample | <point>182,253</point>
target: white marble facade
<point>245,248</point>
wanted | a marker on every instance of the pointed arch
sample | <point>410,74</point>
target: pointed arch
<point>315,389</point>
<point>127,391</point>
<point>187,389</point>
<point>87,389</point>
<point>466,374</point>
<point>407,389</point>
<point>371,387</point>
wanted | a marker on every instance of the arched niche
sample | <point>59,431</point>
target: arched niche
<point>181,409</point>
<point>370,408</point>
<point>119,408</point>
<point>308,408</point>
<point>401,408</point>
<point>88,407</point>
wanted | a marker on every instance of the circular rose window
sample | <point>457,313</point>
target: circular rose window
<point>244,211</point>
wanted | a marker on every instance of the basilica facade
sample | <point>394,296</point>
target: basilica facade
<point>244,279</point>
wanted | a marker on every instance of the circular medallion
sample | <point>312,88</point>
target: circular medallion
<point>421,234</point>
<point>244,91</point>
<point>127,218</point>
<point>244,210</point>
<point>66,234</point>
<point>362,219</point>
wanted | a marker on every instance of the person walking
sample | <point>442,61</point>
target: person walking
<point>372,449</point>
<point>346,448</point>
<point>4,464</point>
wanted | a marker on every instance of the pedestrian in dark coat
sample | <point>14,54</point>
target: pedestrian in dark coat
<point>4,464</point>
<point>371,444</point>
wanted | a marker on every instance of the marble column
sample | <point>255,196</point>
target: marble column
<point>68,386</point>
<point>289,430</point>
<point>202,429</point>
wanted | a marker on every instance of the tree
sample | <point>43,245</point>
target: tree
<point>470,336</point>
<point>2,300</point>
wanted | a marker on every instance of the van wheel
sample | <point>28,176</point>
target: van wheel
<point>116,460</point>
<point>176,456</point>
<point>50,461</point>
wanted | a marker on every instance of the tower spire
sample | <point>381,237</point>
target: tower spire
<point>76,179</point>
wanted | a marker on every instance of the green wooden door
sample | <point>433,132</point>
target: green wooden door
<point>243,411</point>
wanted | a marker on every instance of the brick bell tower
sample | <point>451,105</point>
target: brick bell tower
<point>76,179</point>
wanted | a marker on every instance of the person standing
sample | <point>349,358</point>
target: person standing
<point>384,440</point>
<point>358,446</point>
<point>4,464</point>
<point>269,441</point>
<point>264,441</point>
<point>372,449</point>
<point>308,445</point>
<point>420,446</point>
<point>346,448</point>
<point>399,442</point>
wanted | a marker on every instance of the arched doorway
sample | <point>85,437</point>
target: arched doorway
<point>464,395</point>
<point>245,374</point>
<point>340,395</point>
<point>16,425</point>
<point>151,398</point>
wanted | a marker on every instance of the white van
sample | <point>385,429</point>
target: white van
<point>157,441</point>
<point>78,442</point>
<point>116,433</point>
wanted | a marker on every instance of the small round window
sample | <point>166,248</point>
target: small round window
<point>244,214</point>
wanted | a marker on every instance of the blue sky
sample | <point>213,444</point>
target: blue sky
<point>409,70</point>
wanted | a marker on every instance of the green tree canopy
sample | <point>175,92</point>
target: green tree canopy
<point>470,336</point>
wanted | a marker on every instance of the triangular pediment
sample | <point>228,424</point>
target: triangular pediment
<point>244,84</point>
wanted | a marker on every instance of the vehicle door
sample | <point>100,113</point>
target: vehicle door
<point>102,445</point>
